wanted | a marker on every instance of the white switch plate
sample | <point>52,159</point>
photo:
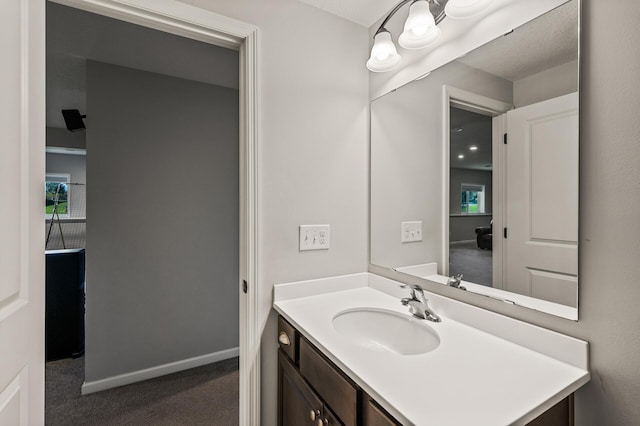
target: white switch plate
<point>411,231</point>
<point>314,237</point>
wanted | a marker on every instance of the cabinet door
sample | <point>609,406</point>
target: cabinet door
<point>328,418</point>
<point>329,383</point>
<point>297,404</point>
<point>374,415</point>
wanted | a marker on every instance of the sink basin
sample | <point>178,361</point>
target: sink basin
<point>381,330</point>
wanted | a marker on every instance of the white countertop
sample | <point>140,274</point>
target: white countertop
<point>478,375</point>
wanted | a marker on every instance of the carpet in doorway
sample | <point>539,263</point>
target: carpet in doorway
<point>474,263</point>
<point>206,395</point>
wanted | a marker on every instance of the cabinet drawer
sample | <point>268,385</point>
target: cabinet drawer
<point>333,387</point>
<point>286,333</point>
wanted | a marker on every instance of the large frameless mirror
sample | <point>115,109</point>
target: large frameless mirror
<point>474,169</point>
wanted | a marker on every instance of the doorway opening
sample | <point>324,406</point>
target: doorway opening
<point>163,204</point>
<point>471,196</point>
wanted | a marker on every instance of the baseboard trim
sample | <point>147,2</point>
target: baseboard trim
<point>160,370</point>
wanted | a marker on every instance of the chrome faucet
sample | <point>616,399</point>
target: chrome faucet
<point>455,281</point>
<point>418,304</point>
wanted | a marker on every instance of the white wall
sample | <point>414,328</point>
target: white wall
<point>314,149</point>
<point>548,84</point>
<point>162,220</point>
<point>406,162</point>
<point>609,226</point>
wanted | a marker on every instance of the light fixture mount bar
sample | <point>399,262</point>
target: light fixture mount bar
<point>436,6</point>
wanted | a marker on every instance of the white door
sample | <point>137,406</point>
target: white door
<point>541,256</point>
<point>22,120</point>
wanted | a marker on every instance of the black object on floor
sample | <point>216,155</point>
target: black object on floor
<point>64,306</point>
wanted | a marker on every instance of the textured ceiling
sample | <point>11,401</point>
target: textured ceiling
<point>550,40</point>
<point>363,12</point>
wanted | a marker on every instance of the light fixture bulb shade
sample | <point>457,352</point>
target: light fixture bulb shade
<point>410,41</point>
<point>463,9</point>
<point>420,19</point>
<point>384,56</point>
<point>420,28</point>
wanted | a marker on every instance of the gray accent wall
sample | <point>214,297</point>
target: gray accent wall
<point>63,138</point>
<point>162,229</point>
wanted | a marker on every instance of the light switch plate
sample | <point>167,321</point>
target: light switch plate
<point>314,237</point>
<point>411,231</point>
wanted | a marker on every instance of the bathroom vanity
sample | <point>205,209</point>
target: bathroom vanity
<point>351,354</point>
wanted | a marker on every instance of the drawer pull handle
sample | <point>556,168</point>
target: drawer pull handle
<point>284,339</point>
<point>314,414</point>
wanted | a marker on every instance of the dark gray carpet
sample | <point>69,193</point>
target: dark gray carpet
<point>205,395</point>
<point>475,264</point>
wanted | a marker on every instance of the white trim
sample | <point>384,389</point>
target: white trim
<point>499,153</point>
<point>250,330</point>
<point>468,101</point>
<point>199,24</point>
<point>172,17</point>
<point>157,371</point>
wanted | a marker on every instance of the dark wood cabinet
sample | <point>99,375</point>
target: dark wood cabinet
<point>559,414</point>
<point>331,384</point>
<point>313,391</point>
<point>374,415</point>
<point>298,404</point>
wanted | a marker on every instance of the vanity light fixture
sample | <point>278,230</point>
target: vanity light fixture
<point>463,9</point>
<point>420,29</point>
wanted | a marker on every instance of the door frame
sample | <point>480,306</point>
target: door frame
<point>469,101</point>
<point>203,25</point>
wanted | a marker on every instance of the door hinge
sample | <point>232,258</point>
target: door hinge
<point>505,232</point>
<point>244,286</point>
<point>505,139</point>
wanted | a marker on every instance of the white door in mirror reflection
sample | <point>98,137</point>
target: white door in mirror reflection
<point>541,256</point>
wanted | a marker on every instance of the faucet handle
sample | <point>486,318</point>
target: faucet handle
<point>455,281</point>
<point>413,289</point>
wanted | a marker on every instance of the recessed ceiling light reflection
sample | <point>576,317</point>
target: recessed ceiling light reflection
<point>473,148</point>
<point>461,156</point>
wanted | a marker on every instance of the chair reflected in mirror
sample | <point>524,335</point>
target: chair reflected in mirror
<point>484,236</point>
